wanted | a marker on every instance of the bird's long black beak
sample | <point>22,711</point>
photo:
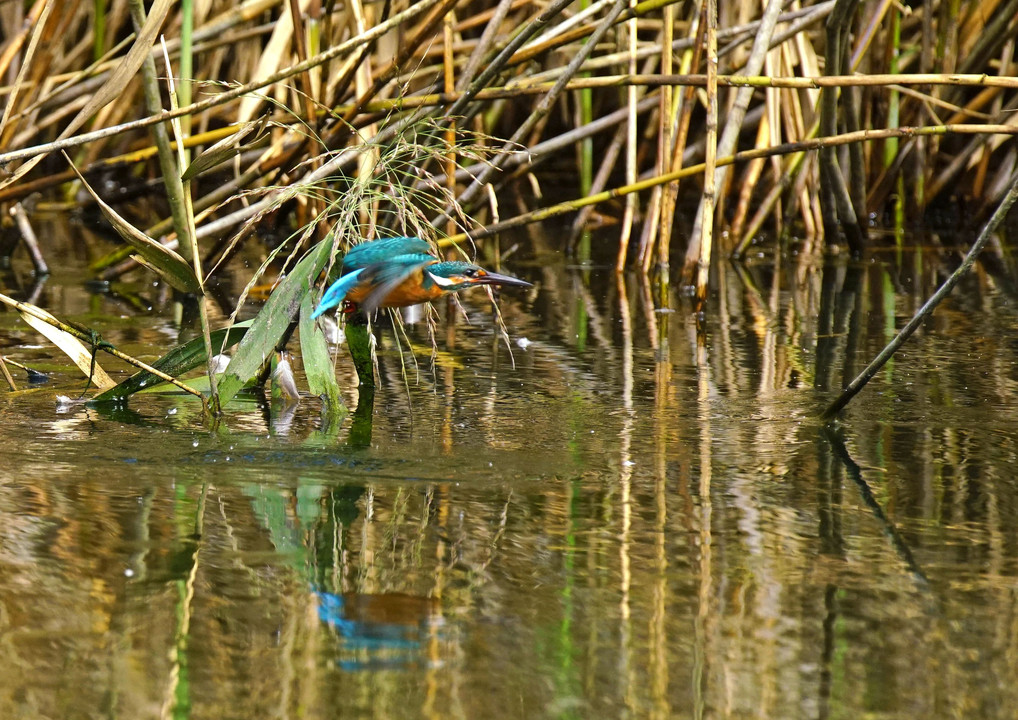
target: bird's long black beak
<point>490,278</point>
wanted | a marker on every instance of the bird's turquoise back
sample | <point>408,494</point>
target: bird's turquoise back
<point>397,250</point>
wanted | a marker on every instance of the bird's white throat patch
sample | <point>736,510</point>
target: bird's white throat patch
<point>441,281</point>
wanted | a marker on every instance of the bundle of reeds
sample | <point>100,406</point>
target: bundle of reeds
<point>408,117</point>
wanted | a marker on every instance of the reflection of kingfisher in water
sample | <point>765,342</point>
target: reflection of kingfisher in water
<point>383,630</point>
<point>401,271</point>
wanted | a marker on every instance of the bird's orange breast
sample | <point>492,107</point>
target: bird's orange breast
<point>409,292</point>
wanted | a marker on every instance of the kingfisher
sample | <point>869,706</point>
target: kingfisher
<point>401,271</point>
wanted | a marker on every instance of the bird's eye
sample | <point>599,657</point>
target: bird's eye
<point>472,272</point>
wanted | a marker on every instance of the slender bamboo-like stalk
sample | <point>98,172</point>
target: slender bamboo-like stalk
<point>859,382</point>
<point>519,89</point>
<point>667,124</point>
<point>167,157</point>
<point>450,132</point>
<point>538,114</point>
<point>710,164</point>
<point>685,106</point>
<point>733,127</point>
<point>629,213</point>
<point>190,237</point>
<point>382,92</point>
<point>787,148</point>
<point>7,375</point>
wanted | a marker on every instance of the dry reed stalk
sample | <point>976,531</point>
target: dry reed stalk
<point>692,170</point>
<point>730,134</point>
<point>485,46</point>
<point>813,82</point>
<point>766,206</point>
<point>987,231</point>
<point>449,85</point>
<point>668,120</point>
<point>37,22</point>
<point>632,202</point>
<point>710,163</point>
<point>750,179</point>
<point>538,114</point>
<point>108,92</point>
<point>967,156</point>
<point>7,375</point>
<point>389,96</point>
<point>339,50</point>
<point>609,158</point>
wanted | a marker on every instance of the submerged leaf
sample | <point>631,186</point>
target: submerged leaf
<point>74,349</point>
<point>273,322</point>
<point>177,361</point>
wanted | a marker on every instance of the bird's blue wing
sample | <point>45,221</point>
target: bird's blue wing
<point>383,251</point>
<point>387,276</point>
<point>381,264</point>
<point>337,292</point>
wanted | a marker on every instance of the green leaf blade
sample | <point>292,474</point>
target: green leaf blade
<point>271,325</point>
<point>178,361</point>
<point>317,361</point>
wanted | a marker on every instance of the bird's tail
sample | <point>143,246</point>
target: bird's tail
<point>337,292</point>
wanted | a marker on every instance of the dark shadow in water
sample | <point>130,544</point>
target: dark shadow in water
<point>838,317</point>
<point>837,444</point>
<point>832,543</point>
<point>360,424</point>
<point>827,654</point>
<point>121,413</point>
<point>833,461</point>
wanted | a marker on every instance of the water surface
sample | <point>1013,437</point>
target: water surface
<point>611,515</point>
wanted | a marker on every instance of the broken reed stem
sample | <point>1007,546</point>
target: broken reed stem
<point>29,238</point>
<point>7,375</point>
<point>928,307</point>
